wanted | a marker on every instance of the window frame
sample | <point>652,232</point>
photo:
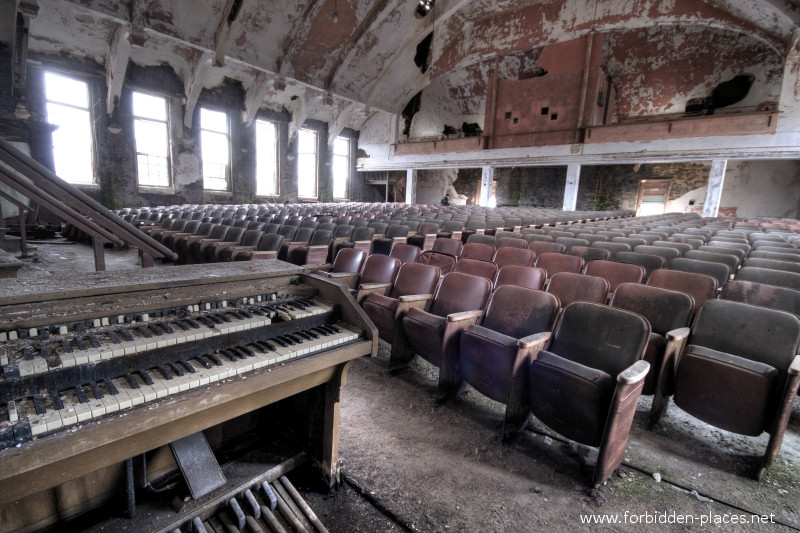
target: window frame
<point>167,127</point>
<point>300,155</point>
<point>92,157</point>
<point>349,166</point>
<point>277,163</point>
<point>203,161</point>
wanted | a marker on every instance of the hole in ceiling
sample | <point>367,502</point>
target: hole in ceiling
<point>423,8</point>
<point>554,116</point>
<point>423,52</point>
<point>516,120</point>
<point>508,114</point>
<point>545,110</point>
<point>410,110</point>
<point>726,93</point>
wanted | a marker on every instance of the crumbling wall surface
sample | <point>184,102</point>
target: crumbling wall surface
<point>762,188</point>
<point>531,186</point>
<point>659,69</point>
<point>451,100</point>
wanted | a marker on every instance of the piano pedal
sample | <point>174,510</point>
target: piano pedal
<point>197,464</point>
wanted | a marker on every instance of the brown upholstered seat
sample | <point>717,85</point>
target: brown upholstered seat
<point>458,303</point>
<point>699,286</point>
<point>476,267</point>
<point>615,273</point>
<point>521,276</point>
<point>406,253</point>
<point>346,267</point>
<point>571,287</point>
<point>554,263</point>
<point>478,250</point>
<point>739,371</point>
<point>493,356</point>
<point>585,383</point>
<point>513,256</point>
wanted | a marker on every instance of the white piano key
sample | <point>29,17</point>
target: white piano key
<point>33,332</point>
<point>3,336</point>
<point>12,335</point>
<point>51,416</point>
<point>96,406</point>
<point>26,368</point>
<point>12,411</point>
<point>122,396</point>
<point>83,411</point>
<point>109,400</point>
<point>69,414</point>
<point>147,391</point>
<point>136,396</point>
<point>158,385</point>
<point>39,365</point>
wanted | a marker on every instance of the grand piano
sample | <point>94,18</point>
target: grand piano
<point>101,371</point>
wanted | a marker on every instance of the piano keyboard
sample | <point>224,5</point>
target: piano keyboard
<point>33,351</point>
<point>29,417</point>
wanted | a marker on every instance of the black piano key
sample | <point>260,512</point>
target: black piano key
<point>230,354</point>
<point>93,340</point>
<point>313,334</point>
<point>214,359</point>
<point>192,322</point>
<point>189,368</point>
<point>298,304</point>
<point>222,316</point>
<point>132,383</point>
<point>79,343</point>
<point>334,328</point>
<point>183,325</point>
<point>266,346</point>
<point>244,351</point>
<point>110,387</point>
<point>65,345</point>
<point>304,335</point>
<point>245,313</point>
<point>112,320</point>
<point>96,390</point>
<point>166,327</point>
<point>164,372</point>
<point>145,377</point>
<point>38,404</point>
<point>153,328</point>
<point>57,403</point>
<point>258,312</point>
<point>309,303</point>
<point>6,436</point>
<point>22,431</point>
<point>202,361</point>
<point>81,394</point>
<point>206,321</point>
<point>296,338</point>
<point>280,341</point>
<point>27,352</point>
<point>22,333</point>
<point>11,371</point>
<point>176,369</point>
<point>114,337</point>
<point>236,315</point>
<point>44,350</point>
<point>323,331</point>
<point>44,334</point>
<point>125,334</point>
<point>129,318</point>
<point>143,331</point>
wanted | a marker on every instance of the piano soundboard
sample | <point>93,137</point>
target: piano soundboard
<point>99,369</point>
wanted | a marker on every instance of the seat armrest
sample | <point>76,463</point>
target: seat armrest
<point>415,297</point>
<point>634,373</point>
<point>465,315</point>
<point>679,334</point>
<point>373,286</point>
<point>335,275</point>
<point>257,255</point>
<point>456,234</point>
<point>532,341</point>
<point>794,368</point>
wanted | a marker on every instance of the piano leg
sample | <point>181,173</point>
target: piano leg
<point>330,437</point>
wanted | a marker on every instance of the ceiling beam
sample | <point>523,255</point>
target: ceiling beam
<point>298,34</point>
<point>222,37</point>
<point>255,94</point>
<point>195,84</point>
<point>119,51</point>
<point>136,10</point>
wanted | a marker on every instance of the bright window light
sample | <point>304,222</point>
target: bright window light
<point>341,166</point>
<point>215,149</point>
<point>151,132</point>
<point>68,108</point>
<point>307,163</point>
<point>266,158</point>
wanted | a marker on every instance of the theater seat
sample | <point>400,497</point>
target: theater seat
<point>458,303</point>
<point>493,356</point>
<point>739,371</point>
<point>586,383</point>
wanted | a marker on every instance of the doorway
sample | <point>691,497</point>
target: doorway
<point>653,197</point>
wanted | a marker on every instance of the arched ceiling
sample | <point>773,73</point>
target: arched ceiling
<point>363,58</point>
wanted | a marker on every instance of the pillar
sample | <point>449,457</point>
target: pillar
<point>715,179</point>
<point>571,188</point>
<point>411,186</point>
<point>487,178</point>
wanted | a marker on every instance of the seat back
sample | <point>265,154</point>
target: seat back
<point>251,237</point>
<point>288,232</point>
<point>663,308</point>
<point>600,337</point>
<point>554,263</point>
<point>777,256</point>
<point>521,276</point>
<point>760,262</point>
<point>727,259</point>
<point>542,247</point>
<point>349,260</point>
<point>363,233</point>
<point>589,254</point>
<point>615,273</point>
<point>667,253</point>
<point>682,248</point>
<point>571,287</point>
<point>303,235</point>
<point>518,311</point>
<point>478,250</point>
<point>514,256</point>
<point>396,230</point>
<point>447,246</point>
<point>780,278</point>
<point>270,242</point>
<point>379,269</point>
<point>771,296</point>
<point>510,242</point>
<point>415,278</point>
<point>445,262</point>
<point>477,267</point>
<point>235,234</point>
<point>406,253</point>
<point>343,231</point>
<point>699,286</point>
<point>719,271</point>
<point>569,242</point>
<point>649,262</point>
<point>219,232</point>
<point>460,292</point>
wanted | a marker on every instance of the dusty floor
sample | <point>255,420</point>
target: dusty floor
<point>410,464</point>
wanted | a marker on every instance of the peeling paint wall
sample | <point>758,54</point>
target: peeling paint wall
<point>762,188</point>
<point>659,69</point>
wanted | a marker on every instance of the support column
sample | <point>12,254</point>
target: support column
<point>411,186</point>
<point>487,177</point>
<point>715,179</point>
<point>571,188</point>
